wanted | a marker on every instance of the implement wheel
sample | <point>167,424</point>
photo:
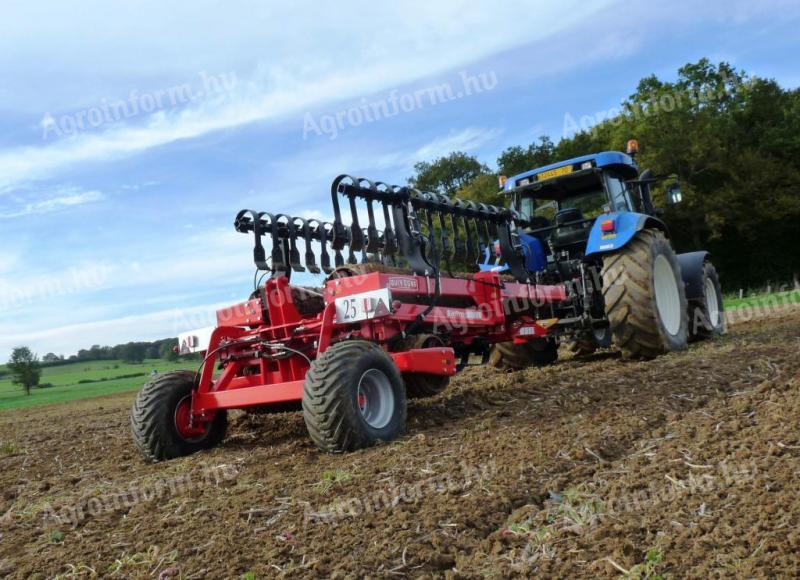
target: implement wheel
<point>421,385</point>
<point>508,356</point>
<point>160,419</point>
<point>589,342</point>
<point>645,297</point>
<point>353,397</point>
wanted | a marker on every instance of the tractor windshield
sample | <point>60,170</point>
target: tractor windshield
<point>591,202</point>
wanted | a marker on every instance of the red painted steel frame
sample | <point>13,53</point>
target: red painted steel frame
<point>264,362</point>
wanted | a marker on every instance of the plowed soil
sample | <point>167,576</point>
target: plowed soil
<point>683,466</point>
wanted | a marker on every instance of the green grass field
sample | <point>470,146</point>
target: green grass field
<point>66,387</point>
<point>762,300</point>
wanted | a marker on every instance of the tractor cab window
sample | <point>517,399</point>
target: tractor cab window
<point>621,199</point>
<point>539,208</point>
<point>591,203</point>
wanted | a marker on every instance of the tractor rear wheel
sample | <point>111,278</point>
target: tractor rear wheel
<point>160,419</point>
<point>421,385</point>
<point>353,397</point>
<point>707,315</point>
<point>645,297</point>
<point>508,356</point>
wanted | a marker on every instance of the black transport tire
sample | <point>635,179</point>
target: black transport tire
<point>645,297</point>
<point>421,385</point>
<point>153,419</point>
<point>508,356</point>
<point>336,416</point>
<point>707,315</point>
<point>588,342</point>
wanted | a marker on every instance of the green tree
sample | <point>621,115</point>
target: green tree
<point>133,352</point>
<point>166,350</point>
<point>25,369</point>
<point>483,189</point>
<point>447,174</point>
<point>516,159</point>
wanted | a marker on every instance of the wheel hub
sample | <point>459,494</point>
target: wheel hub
<point>188,429</point>
<point>668,302</point>
<point>375,398</point>
<point>712,303</point>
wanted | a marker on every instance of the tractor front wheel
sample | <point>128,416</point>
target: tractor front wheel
<point>161,419</point>
<point>645,297</point>
<point>353,397</point>
<point>508,356</point>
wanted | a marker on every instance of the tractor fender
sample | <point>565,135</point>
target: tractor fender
<point>625,225</point>
<point>693,273</point>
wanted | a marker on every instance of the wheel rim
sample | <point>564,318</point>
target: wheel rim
<point>712,303</point>
<point>375,398</point>
<point>599,335</point>
<point>183,423</point>
<point>668,301</point>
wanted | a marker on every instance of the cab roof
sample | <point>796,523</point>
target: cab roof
<point>604,160</point>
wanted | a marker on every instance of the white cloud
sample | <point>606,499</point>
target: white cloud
<point>398,43</point>
<point>61,199</point>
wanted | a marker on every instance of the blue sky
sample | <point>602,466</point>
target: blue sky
<point>132,133</point>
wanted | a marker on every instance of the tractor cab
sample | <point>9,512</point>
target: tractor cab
<point>564,199</point>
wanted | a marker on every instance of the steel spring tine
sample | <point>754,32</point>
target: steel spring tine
<point>482,227</point>
<point>340,235</point>
<point>310,259</point>
<point>356,239</point>
<point>325,233</point>
<point>244,224</point>
<point>389,238</point>
<point>290,240</point>
<point>410,236</point>
<point>278,258</point>
<point>491,210</point>
<point>476,217</point>
<point>444,235</point>
<point>471,255</point>
<point>459,245</point>
<point>443,239</point>
<point>432,243</point>
<point>373,237</point>
<point>389,241</point>
<point>413,218</point>
<point>364,251</point>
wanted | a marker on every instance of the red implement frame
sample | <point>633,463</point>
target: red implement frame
<point>264,363</point>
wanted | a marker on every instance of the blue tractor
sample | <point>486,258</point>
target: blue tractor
<point>591,224</point>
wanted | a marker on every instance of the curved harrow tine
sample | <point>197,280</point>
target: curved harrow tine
<point>419,231</point>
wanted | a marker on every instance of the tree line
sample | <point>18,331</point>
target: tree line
<point>130,352</point>
<point>25,367</point>
<point>733,141</point>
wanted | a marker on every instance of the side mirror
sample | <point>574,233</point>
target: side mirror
<point>674,195</point>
